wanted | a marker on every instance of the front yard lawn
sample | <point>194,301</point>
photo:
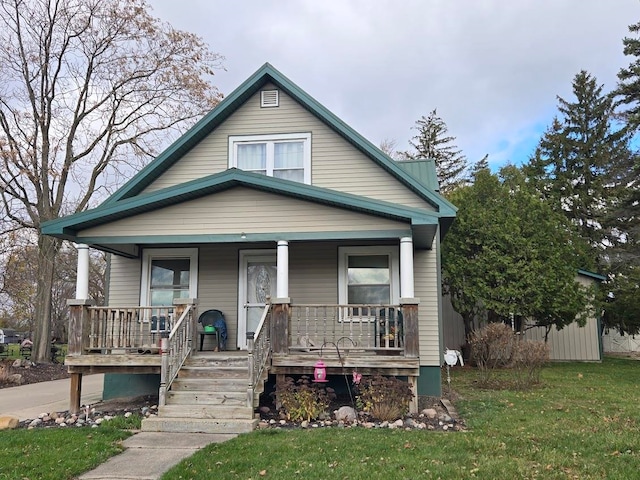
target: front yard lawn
<point>582,423</point>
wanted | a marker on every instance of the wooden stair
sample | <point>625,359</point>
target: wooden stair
<point>209,395</point>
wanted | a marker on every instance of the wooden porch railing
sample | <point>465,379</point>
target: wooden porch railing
<point>128,329</point>
<point>259,352</point>
<point>359,327</point>
<point>175,348</point>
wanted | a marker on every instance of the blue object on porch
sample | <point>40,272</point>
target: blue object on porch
<point>158,323</point>
<point>213,323</point>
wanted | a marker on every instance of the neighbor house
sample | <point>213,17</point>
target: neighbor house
<point>311,242</point>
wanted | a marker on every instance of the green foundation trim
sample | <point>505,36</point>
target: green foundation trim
<point>122,385</point>
<point>430,382</point>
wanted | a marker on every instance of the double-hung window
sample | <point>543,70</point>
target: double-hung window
<point>167,274</point>
<point>286,156</point>
<point>368,275</point>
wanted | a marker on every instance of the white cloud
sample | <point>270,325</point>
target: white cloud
<point>492,68</point>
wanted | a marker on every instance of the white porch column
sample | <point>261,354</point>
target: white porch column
<point>282,279</point>
<point>406,268</point>
<point>82,275</point>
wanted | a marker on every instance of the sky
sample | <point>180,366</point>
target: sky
<point>492,68</point>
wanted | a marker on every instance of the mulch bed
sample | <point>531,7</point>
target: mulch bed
<point>31,373</point>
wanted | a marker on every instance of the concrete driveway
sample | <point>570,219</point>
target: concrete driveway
<point>29,401</point>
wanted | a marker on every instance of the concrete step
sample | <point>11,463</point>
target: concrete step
<point>198,425</point>
<point>212,384</point>
<point>224,412</point>
<point>214,371</point>
<point>200,397</point>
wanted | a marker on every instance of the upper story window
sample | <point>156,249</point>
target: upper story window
<point>286,156</point>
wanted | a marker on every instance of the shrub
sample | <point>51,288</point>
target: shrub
<point>385,398</point>
<point>491,348</point>
<point>529,357</point>
<point>303,399</point>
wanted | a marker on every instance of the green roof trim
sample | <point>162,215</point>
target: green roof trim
<point>423,170</point>
<point>248,237</point>
<point>68,227</point>
<point>595,276</point>
<point>268,74</point>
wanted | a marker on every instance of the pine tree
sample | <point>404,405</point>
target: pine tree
<point>572,164</point>
<point>628,91</point>
<point>432,141</point>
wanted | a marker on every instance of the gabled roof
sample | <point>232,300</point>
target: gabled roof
<point>268,74</point>
<point>593,275</point>
<point>423,170</point>
<point>423,222</point>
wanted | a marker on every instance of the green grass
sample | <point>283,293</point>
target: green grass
<point>583,422</point>
<point>57,453</point>
<point>13,350</point>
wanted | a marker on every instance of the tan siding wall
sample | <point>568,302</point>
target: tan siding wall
<point>243,210</point>
<point>313,277</point>
<point>426,289</point>
<point>218,285</point>
<point>453,325</point>
<point>570,343</point>
<point>336,164</point>
<point>124,282</point>
<point>313,280</point>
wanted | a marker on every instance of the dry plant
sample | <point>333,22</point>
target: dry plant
<point>385,398</point>
<point>5,371</point>
<point>529,357</point>
<point>491,348</point>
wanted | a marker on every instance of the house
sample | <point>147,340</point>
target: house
<point>311,242</point>
<point>572,343</point>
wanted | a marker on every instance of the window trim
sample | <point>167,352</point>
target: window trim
<point>234,140</point>
<point>392,251</point>
<point>167,253</point>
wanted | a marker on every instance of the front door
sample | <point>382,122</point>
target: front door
<point>257,282</point>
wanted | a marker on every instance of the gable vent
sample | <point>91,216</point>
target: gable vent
<point>269,98</point>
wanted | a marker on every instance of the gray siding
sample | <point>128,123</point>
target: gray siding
<point>218,284</point>
<point>336,164</point>
<point>243,210</point>
<point>570,343</point>
<point>124,282</point>
<point>426,289</point>
<point>313,279</point>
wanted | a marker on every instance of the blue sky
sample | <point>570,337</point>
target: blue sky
<point>492,68</point>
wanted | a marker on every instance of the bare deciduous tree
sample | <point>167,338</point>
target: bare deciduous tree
<point>88,91</point>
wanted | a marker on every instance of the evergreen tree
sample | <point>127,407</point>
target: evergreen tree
<point>628,91</point>
<point>572,164</point>
<point>508,253</point>
<point>432,141</point>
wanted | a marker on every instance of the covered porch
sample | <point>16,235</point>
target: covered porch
<point>289,340</point>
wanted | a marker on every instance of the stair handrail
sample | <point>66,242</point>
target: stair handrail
<point>259,350</point>
<point>175,347</point>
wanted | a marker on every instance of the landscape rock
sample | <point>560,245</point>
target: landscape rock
<point>8,422</point>
<point>430,413</point>
<point>346,414</point>
<point>15,378</point>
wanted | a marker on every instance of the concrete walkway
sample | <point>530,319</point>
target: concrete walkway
<point>150,454</point>
<point>147,455</point>
<point>28,401</point>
